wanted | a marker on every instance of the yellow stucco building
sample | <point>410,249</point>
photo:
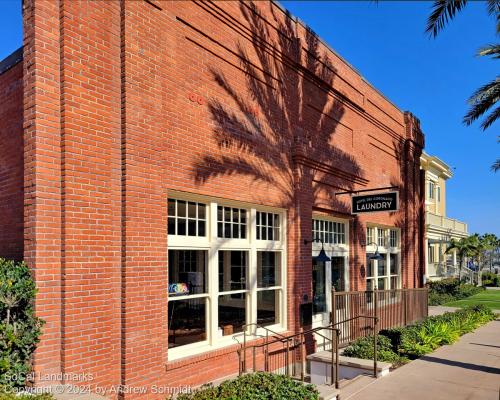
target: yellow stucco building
<point>439,228</point>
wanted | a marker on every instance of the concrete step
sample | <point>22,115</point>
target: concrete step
<point>327,392</point>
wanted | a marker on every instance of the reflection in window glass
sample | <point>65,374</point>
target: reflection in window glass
<point>338,269</point>
<point>232,270</point>
<point>394,264</point>
<point>267,307</point>
<point>268,269</point>
<point>369,265</point>
<point>186,322</point>
<point>232,313</point>
<point>319,287</point>
<point>187,272</point>
<point>381,271</point>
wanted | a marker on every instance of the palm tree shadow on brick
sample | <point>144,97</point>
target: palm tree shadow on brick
<point>284,135</point>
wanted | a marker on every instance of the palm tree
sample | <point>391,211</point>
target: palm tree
<point>485,98</point>
<point>464,248</point>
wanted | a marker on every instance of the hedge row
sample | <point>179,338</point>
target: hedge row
<point>451,289</point>
<point>399,345</point>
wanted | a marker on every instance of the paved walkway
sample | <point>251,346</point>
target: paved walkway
<point>466,370</point>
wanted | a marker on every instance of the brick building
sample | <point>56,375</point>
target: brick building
<point>162,164</point>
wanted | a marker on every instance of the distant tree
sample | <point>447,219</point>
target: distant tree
<point>464,248</point>
<point>485,98</point>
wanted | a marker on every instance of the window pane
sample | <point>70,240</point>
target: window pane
<point>232,270</point>
<point>171,207</point>
<point>319,287</point>
<point>267,307</point>
<point>268,269</point>
<point>381,270</point>
<point>171,226</point>
<point>191,210</point>
<point>201,211</point>
<point>236,215</point>
<point>338,269</point>
<point>191,227</point>
<point>381,284</point>
<point>394,264</point>
<point>369,265</point>
<point>232,313</point>
<point>219,230</point>
<point>181,226</point>
<point>394,282</point>
<point>201,228</point>
<point>187,272</point>
<point>181,208</point>
<point>186,322</point>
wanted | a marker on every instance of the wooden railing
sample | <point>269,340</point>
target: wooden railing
<point>392,308</point>
<point>354,315</point>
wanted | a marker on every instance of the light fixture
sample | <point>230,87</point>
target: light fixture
<point>321,257</point>
<point>376,255</point>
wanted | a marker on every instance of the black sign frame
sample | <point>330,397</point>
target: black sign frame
<point>374,199</point>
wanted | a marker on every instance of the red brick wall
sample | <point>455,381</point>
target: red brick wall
<point>128,100</point>
<point>11,163</point>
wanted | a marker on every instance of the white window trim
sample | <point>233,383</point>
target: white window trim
<point>332,250</point>
<point>213,244</point>
<point>386,251</point>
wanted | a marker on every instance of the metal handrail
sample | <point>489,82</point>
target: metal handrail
<point>286,340</point>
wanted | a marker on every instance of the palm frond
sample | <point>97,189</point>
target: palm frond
<point>495,167</point>
<point>443,11</point>
<point>482,100</point>
<point>490,119</point>
<point>493,7</point>
<point>492,50</point>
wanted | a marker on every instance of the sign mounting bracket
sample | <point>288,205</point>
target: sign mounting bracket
<point>367,190</point>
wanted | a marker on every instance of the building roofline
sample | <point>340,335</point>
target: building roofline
<point>324,43</point>
<point>437,163</point>
<point>11,60</point>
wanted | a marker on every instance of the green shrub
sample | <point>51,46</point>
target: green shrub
<point>10,394</point>
<point>423,337</point>
<point>490,279</point>
<point>363,348</point>
<point>20,329</point>
<point>259,385</point>
<point>450,289</point>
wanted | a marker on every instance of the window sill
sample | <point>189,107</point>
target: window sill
<point>196,352</point>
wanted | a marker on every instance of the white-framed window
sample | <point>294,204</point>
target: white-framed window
<point>381,236</point>
<point>370,234</point>
<point>331,232</point>
<point>232,277</point>
<point>268,226</point>
<point>438,193</point>
<point>186,218</point>
<point>431,254</point>
<point>231,222</point>
<point>384,273</point>
<point>431,190</point>
<point>393,238</point>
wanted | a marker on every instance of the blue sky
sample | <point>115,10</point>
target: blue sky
<point>430,77</point>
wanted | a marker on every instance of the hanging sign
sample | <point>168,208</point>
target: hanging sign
<point>379,202</point>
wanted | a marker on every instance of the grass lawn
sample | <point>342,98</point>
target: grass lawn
<point>490,298</point>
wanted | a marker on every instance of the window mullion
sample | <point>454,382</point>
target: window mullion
<point>213,275</point>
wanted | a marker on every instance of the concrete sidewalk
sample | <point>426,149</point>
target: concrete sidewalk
<point>466,370</point>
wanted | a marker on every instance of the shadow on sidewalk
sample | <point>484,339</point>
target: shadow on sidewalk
<point>486,345</point>
<point>476,367</point>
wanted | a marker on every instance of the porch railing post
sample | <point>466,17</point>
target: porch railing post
<point>287,358</point>
<point>266,355</point>
<point>302,355</point>
<point>332,370</point>
<point>244,350</point>
<point>375,332</point>
<point>337,360</point>
<point>333,315</point>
